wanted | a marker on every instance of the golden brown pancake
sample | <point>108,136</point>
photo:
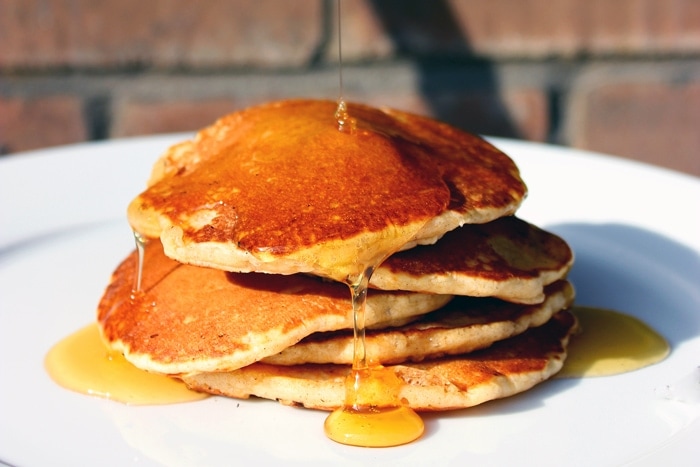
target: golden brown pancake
<point>506,368</point>
<point>505,258</point>
<point>189,318</point>
<point>463,325</point>
<point>279,188</point>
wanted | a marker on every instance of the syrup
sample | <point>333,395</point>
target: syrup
<point>342,117</point>
<point>373,414</point>
<point>611,343</point>
<point>374,428</point>
<point>140,241</point>
<point>82,363</point>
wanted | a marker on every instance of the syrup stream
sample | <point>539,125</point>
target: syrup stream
<point>140,241</point>
<point>372,415</point>
<point>340,57</point>
<point>345,122</point>
<point>358,289</point>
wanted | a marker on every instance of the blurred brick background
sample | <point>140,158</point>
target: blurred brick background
<point>616,76</point>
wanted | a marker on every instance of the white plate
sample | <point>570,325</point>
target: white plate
<point>636,233</point>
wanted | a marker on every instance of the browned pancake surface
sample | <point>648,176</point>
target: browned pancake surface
<point>506,258</point>
<point>189,318</point>
<point>506,368</point>
<point>463,325</point>
<point>278,179</point>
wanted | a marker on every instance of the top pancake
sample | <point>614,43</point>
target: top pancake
<point>279,188</point>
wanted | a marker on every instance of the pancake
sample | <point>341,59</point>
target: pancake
<point>507,258</point>
<point>278,188</point>
<point>261,220</point>
<point>463,325</point>
<point>193,319</point>
<point>508,367</point>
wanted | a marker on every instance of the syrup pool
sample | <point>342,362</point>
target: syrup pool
<point>611,343</point>
<point>82,363</point>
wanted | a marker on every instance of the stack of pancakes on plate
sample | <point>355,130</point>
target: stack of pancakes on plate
<point>258,223</point>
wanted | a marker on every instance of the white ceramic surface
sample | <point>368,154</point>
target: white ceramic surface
<point>636,233</point>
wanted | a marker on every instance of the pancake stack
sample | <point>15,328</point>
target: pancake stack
<point>256,227</point>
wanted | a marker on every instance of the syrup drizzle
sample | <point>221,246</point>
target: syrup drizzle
<point>345,122</point>
<point>141,242</point>
<point>342,117</point>
<point>358,290</point>
<point>373,414</point>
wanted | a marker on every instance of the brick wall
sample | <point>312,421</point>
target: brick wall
<point>620,77</point>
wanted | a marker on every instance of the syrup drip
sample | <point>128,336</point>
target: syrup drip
<point>141,242</point>
<point>82,363</point>
<point>345,122</point>
<point>373,414</point>
<point>358,292</point>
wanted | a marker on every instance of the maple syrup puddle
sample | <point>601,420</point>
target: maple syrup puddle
<point>82,363</point>
<point>374,428</point>
<point>611,343</point>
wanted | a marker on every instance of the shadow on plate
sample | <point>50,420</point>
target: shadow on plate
<point>638,272</point>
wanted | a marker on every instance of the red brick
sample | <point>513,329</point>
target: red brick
<point>40,122</point>
<point>362,34</point>
<point>529,110</point>
<point>650,122</point>
<point>163,33</point>
<point>132,118</point>
<point>515,113</point>
<point>519,28</point>
<point>271,33</point>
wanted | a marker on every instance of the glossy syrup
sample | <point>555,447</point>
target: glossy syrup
<point>82,363</point>
<point>140,242</point>
<point>373,414</point>
<point>610,343</point>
